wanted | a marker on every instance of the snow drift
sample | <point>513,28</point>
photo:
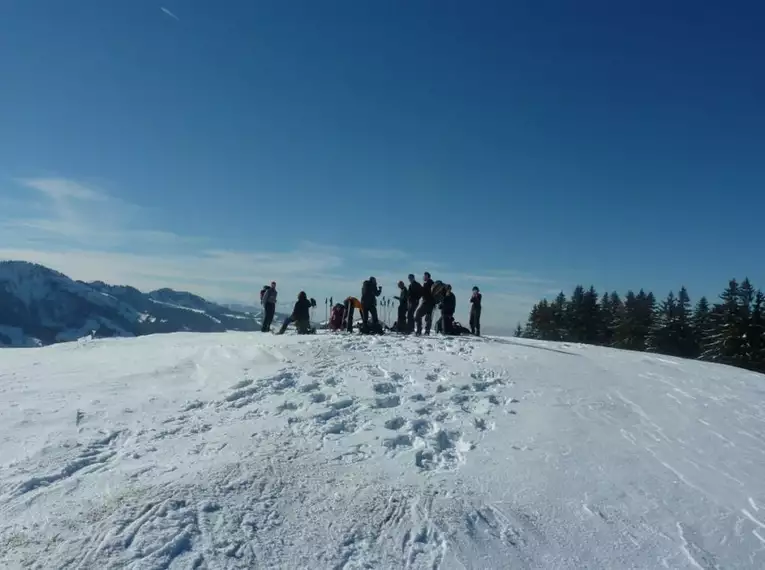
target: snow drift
<point>242,450</point>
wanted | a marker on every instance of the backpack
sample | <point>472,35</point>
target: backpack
<point>438,291</point>
<point>263,291</point>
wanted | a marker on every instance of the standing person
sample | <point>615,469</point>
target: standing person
<point>415,293</point>
<point>426,306</point>
<point>475,312</point>
<point>369,293</point>
<point>268,300</point>
<point>448,307</point>
<point>403,307</point>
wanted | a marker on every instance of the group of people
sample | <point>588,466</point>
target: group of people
<point>417,302</point>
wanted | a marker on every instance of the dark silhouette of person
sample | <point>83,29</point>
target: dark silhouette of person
<point>475,312</point>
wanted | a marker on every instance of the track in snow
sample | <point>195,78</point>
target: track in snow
<point>251,451</point>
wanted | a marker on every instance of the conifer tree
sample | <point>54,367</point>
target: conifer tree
<point>624,334</point>
<point>530,330</point>
<point>605,334</point>
<point>755,336</point>
<point>730,332</point>
<point>660,338</point>
<point>591,323</point>
<point>703,327</point>
<point>574,315</point>
<point>725,339</point>
<point>518,331</point>
<point>559,317</point>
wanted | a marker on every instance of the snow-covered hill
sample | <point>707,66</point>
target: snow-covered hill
<point>42,306</point>
<point>242,450</point>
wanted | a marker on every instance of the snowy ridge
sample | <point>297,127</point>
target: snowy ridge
<point>242,450</point>
<point>42,306</point>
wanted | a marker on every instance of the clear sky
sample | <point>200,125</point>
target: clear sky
<point>519,146</point>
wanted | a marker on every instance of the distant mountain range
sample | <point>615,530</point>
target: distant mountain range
<point>40,306</point>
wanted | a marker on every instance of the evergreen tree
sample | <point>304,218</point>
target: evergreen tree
<point>660,338</point>
<point>683,327</point>
<point>624,333</point>
<point>703,326</point>
<point>559,317</point>
<point>610,308</point>
<point>545,324</point>
<point>605,334</point>
<point>591,323</point>
<point>530,331</point>
<point>724,343</point>
<point>731,332</point>
<point>755,336</point>
<point>574,316</point>
<point>518,331</point>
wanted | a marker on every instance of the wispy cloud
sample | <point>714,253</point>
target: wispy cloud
<point>62,189</point>
<point>90,234</point>
<point>169,13</point>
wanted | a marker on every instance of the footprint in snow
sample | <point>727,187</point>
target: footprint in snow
<point>340,427</point>
<point>445,451</point>
<point>401,440</point>
<point>286,406</point>
<point>387,402</point>
<point>395,423</point>
<point>242,384</point>
<point>318,397</point>
<point>385,388</point>
<point>341,404</point>
<point>420,427</point>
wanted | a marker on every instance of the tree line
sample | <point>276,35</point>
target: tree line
<point>732,331</point>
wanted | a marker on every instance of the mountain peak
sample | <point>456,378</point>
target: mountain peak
<point>41,305</point>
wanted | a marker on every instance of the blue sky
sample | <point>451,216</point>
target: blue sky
<point>520,146</point>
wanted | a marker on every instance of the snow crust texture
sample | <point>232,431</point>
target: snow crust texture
<point>245,450</point>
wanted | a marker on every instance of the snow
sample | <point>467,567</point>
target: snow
<point>173,305</point>
<point>249,450</point>
<point>241,317</point>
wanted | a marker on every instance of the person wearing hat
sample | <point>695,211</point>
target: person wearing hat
<point>475,312</point>
<point>415,293</point>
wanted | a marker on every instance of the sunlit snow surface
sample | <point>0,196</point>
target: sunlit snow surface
<point>248,450</point>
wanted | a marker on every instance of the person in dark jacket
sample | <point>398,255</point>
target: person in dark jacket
<point>403,307</point>
<point>426,306</point>
<point>301,315</point>
<point>475,312</point>
<point>369,293</point>
<point>268,300</point>
<point>415,293</point>
<point>448,306</point>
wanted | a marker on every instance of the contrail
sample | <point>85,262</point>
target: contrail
<point>169,13</point>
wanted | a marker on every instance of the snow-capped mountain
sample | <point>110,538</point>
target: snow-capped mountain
<point>40,306</point>
<point>240,450</point>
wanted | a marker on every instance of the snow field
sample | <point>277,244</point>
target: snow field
<point>245,450</point>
